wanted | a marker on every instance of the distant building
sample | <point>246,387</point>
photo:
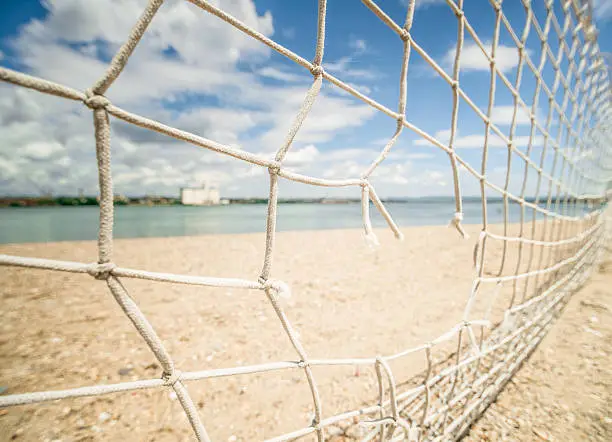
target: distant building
<point>206,195</point>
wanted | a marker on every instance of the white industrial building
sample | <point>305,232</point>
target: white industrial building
<point>206,195</point>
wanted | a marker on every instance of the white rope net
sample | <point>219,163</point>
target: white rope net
<point>552,254</point>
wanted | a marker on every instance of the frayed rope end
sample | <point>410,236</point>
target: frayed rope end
<point>281,288</point>
<point>371,240</point>
<point>456,222</point>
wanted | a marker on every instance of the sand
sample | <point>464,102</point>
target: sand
<point>63,330</point>
<point>564,391</point>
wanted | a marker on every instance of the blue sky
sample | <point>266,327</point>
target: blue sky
<point>195,72</point>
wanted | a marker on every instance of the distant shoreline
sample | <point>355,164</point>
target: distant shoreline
<point>72,201</point>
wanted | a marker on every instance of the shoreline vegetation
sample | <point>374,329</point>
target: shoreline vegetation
<point>120,200</point>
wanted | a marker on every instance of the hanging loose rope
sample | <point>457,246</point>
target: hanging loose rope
<point>555,255</point>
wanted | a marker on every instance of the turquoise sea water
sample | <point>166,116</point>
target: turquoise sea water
<point>41,224</point>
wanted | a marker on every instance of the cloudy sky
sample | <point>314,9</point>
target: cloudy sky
<point>196,72</point>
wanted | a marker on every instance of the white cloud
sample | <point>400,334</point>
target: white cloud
<point>502,115</point>
<point>476,141</point>
<point>473,59</point>
<point>8,169</point>
<point>278,74</point>
<point>220,124</point>
<point>602,10</point>
<point>394,173</point>
<point>40,150</point>
<point>203,62</point>
<point>301,156</point>
<point>345,66</point>
<point>344,169</point>
<point>64,162</point>
<point>362,155</point>
<point>329,115</point>
<point>359,87</point>
<point>288,33</point>
<point>442,135</point>
<point>398,178</point>
<point>419,156</point>
<point>178,75</point>
<point>359,44</point>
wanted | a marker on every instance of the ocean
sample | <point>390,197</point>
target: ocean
<point>61,223</point>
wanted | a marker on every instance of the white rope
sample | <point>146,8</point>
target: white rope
<point>452,391</point>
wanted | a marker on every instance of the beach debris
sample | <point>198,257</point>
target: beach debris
<point>594,305</point>
<point>592,331</point>
<point>125,371</point>
<point>104,417</point>
<point>152,366</point>
<point>541,434</point>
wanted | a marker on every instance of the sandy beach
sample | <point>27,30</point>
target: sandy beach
<point>62,330</point>
<point>564,391</point>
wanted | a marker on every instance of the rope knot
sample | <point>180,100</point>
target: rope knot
<point>274,169</point>
<point>171,378</point>
<point>405,35</point>
<point>590,33</point>
<point>317,70</point>
<point>101,270</point>
<point>95,101</point>
<point>281,288</point>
